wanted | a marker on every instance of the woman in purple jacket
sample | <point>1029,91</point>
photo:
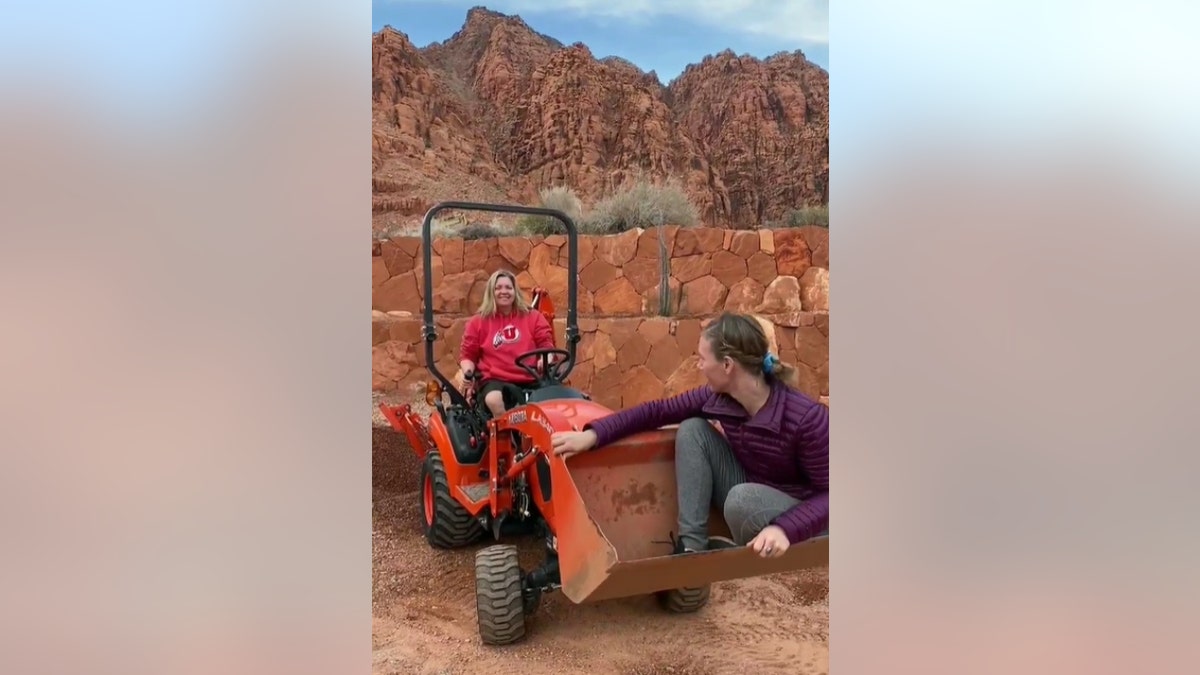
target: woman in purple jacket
<point>769,469</point>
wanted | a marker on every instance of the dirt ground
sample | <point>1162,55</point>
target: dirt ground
<point>424,609</point>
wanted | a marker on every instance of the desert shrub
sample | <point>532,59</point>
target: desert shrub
<point>642,204</point>
<point>446,227</point>
<point>560,198</point>
<point>450,227</point>
<point>479,231</point>
<point>807,215</point>
<point>391,232</point>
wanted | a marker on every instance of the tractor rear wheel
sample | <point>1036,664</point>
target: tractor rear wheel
<point>499,602</point>
<point>446,523</point>
<point>685,600</point>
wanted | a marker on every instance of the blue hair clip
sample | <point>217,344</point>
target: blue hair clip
<point>769,362</point>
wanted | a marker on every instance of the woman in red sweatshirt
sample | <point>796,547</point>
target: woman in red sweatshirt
<point>504,328</point>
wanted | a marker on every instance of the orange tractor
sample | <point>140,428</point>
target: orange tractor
<point>606,516</point>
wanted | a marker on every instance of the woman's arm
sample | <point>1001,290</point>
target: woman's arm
<point>471,349</point>
<point>543,334</point>
<point>650,415</point>
<point>811,516</point>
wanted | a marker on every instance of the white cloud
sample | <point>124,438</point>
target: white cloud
<point>794,21</point>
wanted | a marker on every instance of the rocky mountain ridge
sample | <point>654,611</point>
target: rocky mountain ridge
<point>499,111</point>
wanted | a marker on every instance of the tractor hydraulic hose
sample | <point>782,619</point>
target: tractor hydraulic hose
<point>519,467</point>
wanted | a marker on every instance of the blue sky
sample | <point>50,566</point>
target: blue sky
<point>660,35</point>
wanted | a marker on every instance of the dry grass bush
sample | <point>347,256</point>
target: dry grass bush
<point>805,216</point>
<point>445,228</point>
<point>642,204</point>
<point>559,198</point>
<point>481,231</point>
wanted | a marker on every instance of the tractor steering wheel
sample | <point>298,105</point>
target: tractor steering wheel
<point>552,374</point>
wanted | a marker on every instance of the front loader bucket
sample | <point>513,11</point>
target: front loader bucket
<point>614,538</point>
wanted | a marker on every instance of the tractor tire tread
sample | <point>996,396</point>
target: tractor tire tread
<point>685,600</point>
<point>500,604</point>
<point>453,526</point>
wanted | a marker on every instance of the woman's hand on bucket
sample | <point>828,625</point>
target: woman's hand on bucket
<point>567,443</point>
<point>772,542</point>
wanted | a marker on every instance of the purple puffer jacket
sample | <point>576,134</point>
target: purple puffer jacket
<point>785,445</point>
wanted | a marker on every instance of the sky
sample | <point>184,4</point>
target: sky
<point>660,35</point>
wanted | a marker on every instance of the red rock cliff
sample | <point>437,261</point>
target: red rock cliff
<point>499,111</point>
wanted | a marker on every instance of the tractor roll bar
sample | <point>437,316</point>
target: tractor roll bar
<point>429,331</point>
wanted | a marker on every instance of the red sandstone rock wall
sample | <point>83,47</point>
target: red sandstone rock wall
<point>622,361</point>
<point>628,354</point>
<point>769,272</point>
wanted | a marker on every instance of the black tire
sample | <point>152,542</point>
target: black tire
<point>445,522</point>
<point>685,600</point>
<point>499,603</point>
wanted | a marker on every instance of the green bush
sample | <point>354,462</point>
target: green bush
<point>642,204</point>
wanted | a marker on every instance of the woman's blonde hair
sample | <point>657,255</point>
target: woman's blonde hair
<point>488,306</point>
<point>742,339</point>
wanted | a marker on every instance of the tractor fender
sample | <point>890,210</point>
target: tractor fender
<point>455,472</point>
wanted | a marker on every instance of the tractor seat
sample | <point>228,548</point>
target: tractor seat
<point>554,391</point>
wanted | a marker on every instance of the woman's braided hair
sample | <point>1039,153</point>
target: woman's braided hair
<point>741,338</point>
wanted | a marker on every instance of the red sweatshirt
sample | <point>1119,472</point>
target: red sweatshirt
<point>493,344</point>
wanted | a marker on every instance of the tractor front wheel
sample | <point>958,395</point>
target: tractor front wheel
<point>499,602</point>
<point>446,523</point>
<point>685,600</point>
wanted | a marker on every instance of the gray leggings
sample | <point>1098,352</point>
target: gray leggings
<point>708,475</point>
